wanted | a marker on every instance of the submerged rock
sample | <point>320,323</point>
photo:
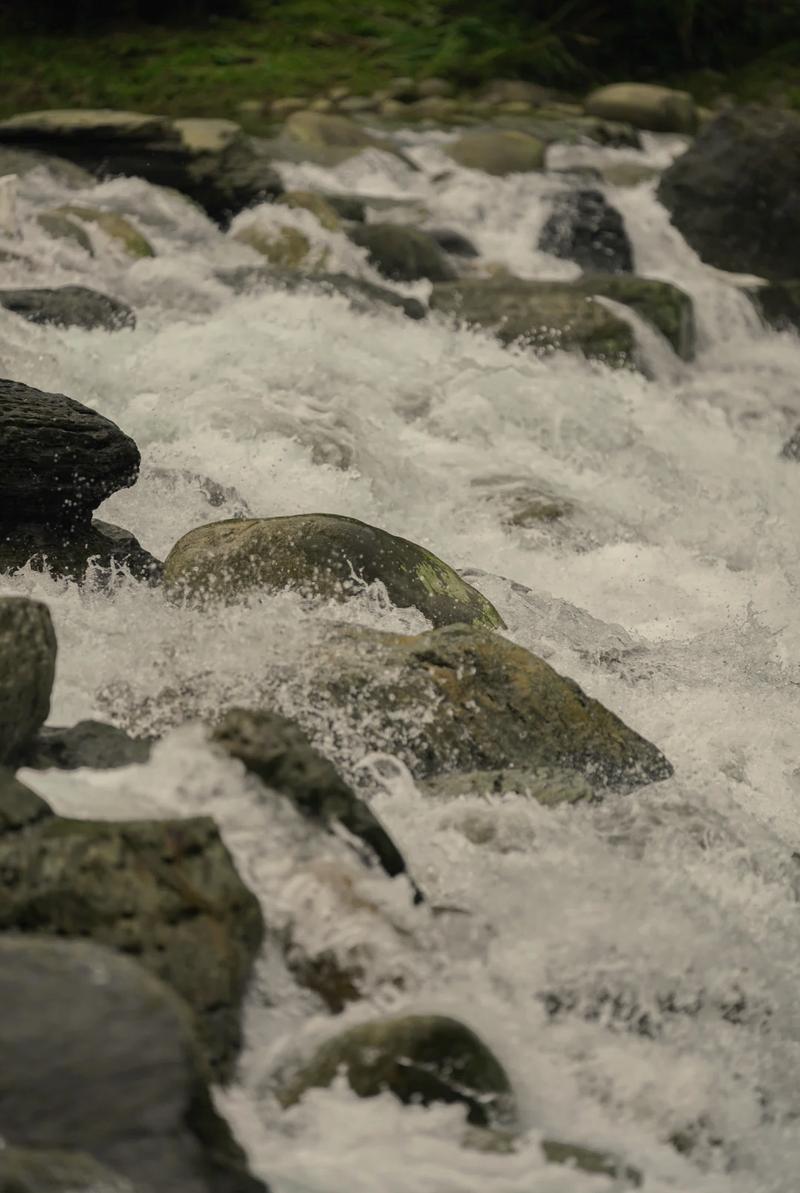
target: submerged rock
<point>583,227</point>
<point>163,891</point>
<point>34,1170</point>
<point>488,705</point>
<point>23,161</point>
<point>59,459</point>
<point>733,194</point>
<point>553,315</point>
<point>362,295</point>
<point>114,225</point>
<point>27,669</point>
<point>547,785</point>
<point>454,243</point>
<point>402,252</point>
<point>211,161</point>
<point>60,227</point>
<point>19,806</point>
<point>286,247</point>
<point>318,205</point>
<point>98,1058</point>
<point>89,743</point>
<point>586,1159</point>
<point>498,152</point>
<point>282,756</point>
<point>646,106</point>
<point>418,1058</point>
<point>326,555</point>
<point>778,304</point>
<point>69,306</point>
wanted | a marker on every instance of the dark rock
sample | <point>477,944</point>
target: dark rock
<point>791,448</point>
<point>583,227</point>
<point>563,315</point>
<point>585,1159</point>
<point>98,1057</point>
<point>403,253</point>
<point>362,295</point>
<point>778,304</point>
<point>419,1059</point>
<point>27,669</point>
<point>348,207</point>
<point>23,161</point>
<point>280,753</point>
<point>70,552</point>
<point>19,806</point>
<point>211,161</point>
<point>59,459</point>
<point>454,243</point>
<point>89,743</point>
<point>69,306</point>
<point>488,705</point>
<point>165,892</point>
<point>735,193</point>
<point>324,555</point>
<point>32,1170</point>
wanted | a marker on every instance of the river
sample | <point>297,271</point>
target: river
<point>662,924</point>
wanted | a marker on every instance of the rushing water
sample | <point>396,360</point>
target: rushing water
<point>665,922</point>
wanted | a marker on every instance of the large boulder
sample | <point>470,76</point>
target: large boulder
<point>211,161</point>
<point>164,891</point>
<point>326,555</point>
<point>419,1059</point>
<point>735,194</point>
<point>281,755</point>
<point>583,227</point>
<point>72,553</point>
<point>59,459</point>
<point>98,1058</point>
<point>403,253</point>
<point>69,306</point>
<point>645,105</point>
<point>488,705</point>
<point>498,151</point>
<point>27,670</point>
<point>564,314</point>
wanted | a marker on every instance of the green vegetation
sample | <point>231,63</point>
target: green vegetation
<point>192,62</point>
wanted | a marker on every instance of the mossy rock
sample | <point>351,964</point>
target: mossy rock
<point>488,705</point>
<point>117,227</point>
<point>165,892</point>
<point>319,207</point>
<point>499,152</point>
<point>60,227</point>
<point>286,248</point>
<point>552,315</point>
<point>645,105</point>
<point>420,1059</point>
<point>320,554</point>
<point>324,130</point>
<point>403,253</point>
<point>547,316</point>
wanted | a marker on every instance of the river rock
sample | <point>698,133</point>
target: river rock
<point>19,806</point>
<point>60,227</point>
<point>402,252</point>
<point>24,161</point>
<point>324,554</point>
<point>285,247</point>
<point>164,891</point>
<point>98,1058</point>
<point>69,306</point>
<point>282,756</point>
<point>418,1058</point>
<point>99,549</point>
<point>319,207</point>
<point>778,304</point>
<point>488,705</point>
<point>211,161</point>
<point>733,194</point>
<point>548,786</point>
<point>27,669</point>
<point>33,1170</point>
<point>563,315</point>
<point>583,227</point>
<point>587,1159</point>
<point>327,139</point>
<point>454,243</point>
<point>645,106</point>
<point>362,295</point>
<point>117,227</point>
<point>791,448</point>
<point>498,151</point>
<point>89,743</point>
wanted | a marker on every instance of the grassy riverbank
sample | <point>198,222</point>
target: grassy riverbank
<point>307,46</point>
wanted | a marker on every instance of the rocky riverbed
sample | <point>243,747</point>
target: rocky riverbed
<point>399,650</point>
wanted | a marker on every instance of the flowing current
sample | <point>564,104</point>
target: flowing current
<point>634,964</point>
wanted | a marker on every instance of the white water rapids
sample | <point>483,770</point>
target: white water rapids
<point>667,920</point>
